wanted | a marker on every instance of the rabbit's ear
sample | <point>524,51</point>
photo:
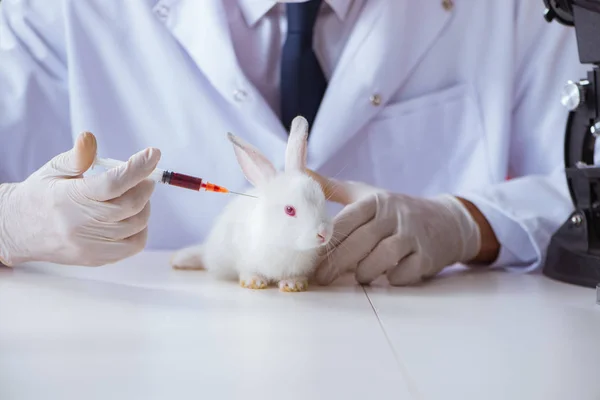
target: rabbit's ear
<point>257,169</point>
<point>295,154</point>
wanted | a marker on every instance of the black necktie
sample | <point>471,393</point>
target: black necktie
<point>303,83</point>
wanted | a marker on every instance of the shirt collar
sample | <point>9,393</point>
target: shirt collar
<point>254,10</point>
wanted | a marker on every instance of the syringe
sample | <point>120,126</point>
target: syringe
<point>172,178</point>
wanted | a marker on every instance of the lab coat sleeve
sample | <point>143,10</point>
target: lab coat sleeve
<point>34,101</point>
<point>525,211</point>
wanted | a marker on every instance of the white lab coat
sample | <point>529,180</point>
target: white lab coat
<point>468,96</point>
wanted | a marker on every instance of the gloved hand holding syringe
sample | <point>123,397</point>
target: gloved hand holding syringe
<point>172,178</point>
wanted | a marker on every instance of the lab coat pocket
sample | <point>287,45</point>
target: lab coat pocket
<point>430,144</point>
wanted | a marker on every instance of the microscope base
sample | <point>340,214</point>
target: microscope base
<point>566,263</point>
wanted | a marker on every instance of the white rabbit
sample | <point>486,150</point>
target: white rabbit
<point>274,237</point>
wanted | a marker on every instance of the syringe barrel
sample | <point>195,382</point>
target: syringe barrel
<point>181,180</point>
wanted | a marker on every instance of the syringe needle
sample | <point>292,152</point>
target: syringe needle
<point>243,194</point>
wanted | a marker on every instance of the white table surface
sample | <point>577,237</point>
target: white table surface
<point>139,330</point>
<point>494,335</point>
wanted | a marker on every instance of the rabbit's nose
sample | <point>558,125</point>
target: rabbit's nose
<point>323,232</point>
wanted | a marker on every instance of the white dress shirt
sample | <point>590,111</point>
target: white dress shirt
<point>259,28</point>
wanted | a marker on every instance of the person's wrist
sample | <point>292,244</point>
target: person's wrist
<point>462,236</point>
<point>489,247</point>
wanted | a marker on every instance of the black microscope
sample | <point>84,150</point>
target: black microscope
<point>574,250</point>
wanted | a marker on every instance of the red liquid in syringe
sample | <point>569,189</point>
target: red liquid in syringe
<point>191,182</point>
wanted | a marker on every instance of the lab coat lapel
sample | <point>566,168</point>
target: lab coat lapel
<point>202,29</point>
<point>388,41</point>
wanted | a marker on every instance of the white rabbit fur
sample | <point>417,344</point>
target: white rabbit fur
<point>255,239</point>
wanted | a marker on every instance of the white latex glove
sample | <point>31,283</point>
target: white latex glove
<point>56,215</point>
<point>407,238</point>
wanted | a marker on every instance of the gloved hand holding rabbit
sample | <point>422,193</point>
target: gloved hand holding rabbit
<point>409,239</point>
<point>285,236</point>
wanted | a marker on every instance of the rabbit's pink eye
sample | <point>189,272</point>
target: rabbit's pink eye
<point>289,210</point>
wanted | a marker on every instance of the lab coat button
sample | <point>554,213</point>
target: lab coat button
<point>447,4</point>
<point>375,99</point>
<point>162,11</point>
<point>240,95</point>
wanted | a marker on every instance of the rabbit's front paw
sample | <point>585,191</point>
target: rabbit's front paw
<point>253,282</point>
<point>293,285</point>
